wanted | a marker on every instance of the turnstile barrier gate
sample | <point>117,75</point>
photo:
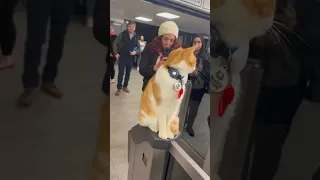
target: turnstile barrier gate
<point>149,156</point>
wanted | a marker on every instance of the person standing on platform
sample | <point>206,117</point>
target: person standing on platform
<point>7,33</point>
<point>101,159</point>
<point>125,47</point>
<point>39,12</point>
<point>142,44</point>
<point>111,57</point>
<point>153,54</point>
<point>200,82</point>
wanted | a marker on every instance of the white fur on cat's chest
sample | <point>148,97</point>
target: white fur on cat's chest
<point>169,95</point>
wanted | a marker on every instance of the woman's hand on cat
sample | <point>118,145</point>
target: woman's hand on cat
<point>160,61</point>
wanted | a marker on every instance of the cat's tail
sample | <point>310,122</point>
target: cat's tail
<point>175,126</point>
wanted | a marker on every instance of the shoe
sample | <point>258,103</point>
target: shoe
<point>51,89</point>
<point>138,68</point>
<point>190,131</point>
<point>6,62</point>
<point>126,90</point>
<point>112,81</point>
<point>118,92</point>
<point>27,97</point>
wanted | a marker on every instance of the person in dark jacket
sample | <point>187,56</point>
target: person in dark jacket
<point>152,56</point>
<point>125,48</point>
<point>101,159</point>
<point>111,58</point>
<point>309,28</point>
<point>279,99</point>
<point>200,82</point>
<point>100,32</point>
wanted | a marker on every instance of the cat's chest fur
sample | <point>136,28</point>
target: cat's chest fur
<point>169,95</point>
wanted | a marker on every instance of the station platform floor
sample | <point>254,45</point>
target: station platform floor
<point>55,139</point>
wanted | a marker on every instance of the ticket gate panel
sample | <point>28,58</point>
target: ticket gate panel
<point>148,155</point>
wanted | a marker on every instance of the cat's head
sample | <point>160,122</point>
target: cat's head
<point>182,59</point>
<point>241,20</point>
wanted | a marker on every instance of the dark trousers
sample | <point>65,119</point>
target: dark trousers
<point>125,64</point>
<point>316,175</point>
<point>194,103</point>
<point>276,109</point>
<point>7,26</point>
<point>111,67</point>
<point>90,7</point>
<point>39,12</point>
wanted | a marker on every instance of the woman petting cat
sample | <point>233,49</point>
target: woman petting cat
<point>200,82</point>
<point>152,56</point>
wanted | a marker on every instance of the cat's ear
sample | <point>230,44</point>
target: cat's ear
<point>192,49</point>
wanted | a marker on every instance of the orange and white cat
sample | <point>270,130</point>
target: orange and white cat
<point>160,103</point>
<point>238,22</point>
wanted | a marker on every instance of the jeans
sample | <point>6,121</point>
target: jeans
<point>111,68</point>
<point>125,64</point>
<point>39,12</point>
<point>7,26</point>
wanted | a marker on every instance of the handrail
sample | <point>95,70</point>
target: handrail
<point>187,163</point>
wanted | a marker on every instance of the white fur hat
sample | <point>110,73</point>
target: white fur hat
<point>168,27</point>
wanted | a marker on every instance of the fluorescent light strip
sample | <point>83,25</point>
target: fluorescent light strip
<point>116,24</point>
<point>168,15</point>
<point>143,19</point>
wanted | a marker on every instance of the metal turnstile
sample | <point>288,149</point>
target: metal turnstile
<point>148,155</point>
<point>151,158</point>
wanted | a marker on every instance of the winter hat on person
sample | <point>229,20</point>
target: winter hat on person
<point>168,27</point>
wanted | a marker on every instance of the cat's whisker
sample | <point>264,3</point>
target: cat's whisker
<point>283,35</point>
<point>199,71</point>
<point>282,44</point>
<point>285,26</point>
<point>291,30</point>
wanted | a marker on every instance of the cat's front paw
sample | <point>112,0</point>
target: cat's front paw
<point>154,129</point>
<point>170,135</point>
<point>163,136</point>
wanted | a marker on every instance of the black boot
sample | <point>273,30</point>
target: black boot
<point>190,131</point>
<point>192,114</point>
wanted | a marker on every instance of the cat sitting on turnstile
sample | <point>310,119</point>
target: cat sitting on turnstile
<point>162,97</point>
<point>238,21</point>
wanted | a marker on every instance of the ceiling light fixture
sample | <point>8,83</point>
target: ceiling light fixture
<point>143,19</point>
<point>168,15</point>
<point>117,24</point>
